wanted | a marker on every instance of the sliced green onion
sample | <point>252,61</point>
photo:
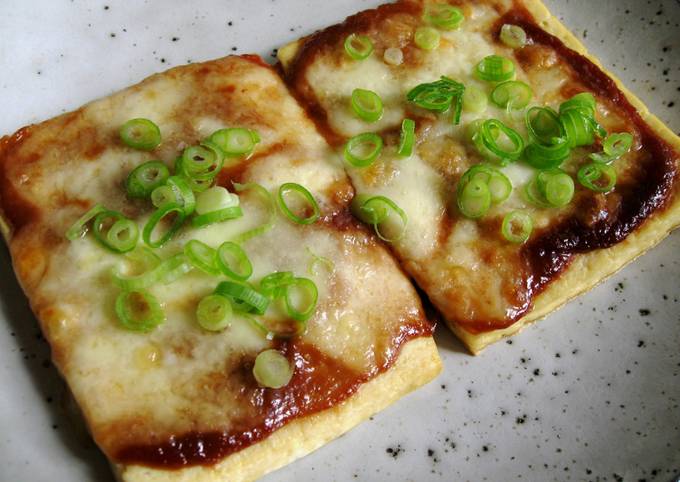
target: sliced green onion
<point>235,141</point>
<point>427,38</point>
<point>146,177</point>
<point>301,298</point>
<point>534,196</point>
<point>233,261</point>
<point>163,195</point>
<point>495,68</point>
<point>79,228</point>
<point>550,188</point>
<point>500,187</point>
<point>164,272</point>
<point>214,313</point>
<point>497,142</point>
<point>512,95</point>
<point>243,297</point>
<point>316,259</point>
<point>407,138</point>
<point>613,147</point>
<point>269,206</point>
<point>474,199</point>
<point>115,232</point>
<point>376,210</point>
<point>139,311</point>
<point>216,216</point>
<point>513,36</point>
<point>214,199</point>
<point>202,162</point>
<point>517,227</point>
<point>358,47</point>
<point>475,100</point>
<point>578,128</point>
<point>367,105</point>
<point>439,96</point>
<point>559,189</point>
<point>169,210</point>
<point>183,194</point>
<point>202,256</point>
<point>499,184</point>
<point>361,150</point>
<point>542,156</point>
<point>445,17</point>
<point>272,369</point>
<point>597,177</point>
<point>140,134</point>
<point>275,284</point>
<point>308,201</point>
<point>543,125</point>
<point>584,103</point>
<point>375,214</point>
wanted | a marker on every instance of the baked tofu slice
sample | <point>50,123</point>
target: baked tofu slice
<point>179,402</point>
<point>485,286</point>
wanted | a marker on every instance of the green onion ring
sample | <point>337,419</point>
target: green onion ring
<point>183,192</point>
<point>139,311</point>
<point>542,156</point>
<point>495,68</point>
<point>146,177</point>
<point>597,177</point>
<point>310,203</point>
<point>474,199</point>
<point>235,141</point>
<point>214,313</point>
<point>367,105</point>
<point>306,311</point>
<point>613,147</point>
<point>407,138</point>
<point>517,227</point>
<point>358,47</point>
<point>486,140</point>
<point>274,284</point>
<point>243,297</point>
<point>513,36</point>
<point>375,210</point>
<point>543,125</point>
<point>512,95</point>
<point>202,257</point>
<point>218,216</point>
<point>559,189</point>
<point>240,268</point>
<point>79,228</point>
<point>272,369</point>
<point>140,134</point>
<point>119,236</point>
<point>162,212</point>
<point>426,38</point>
<point>363,149</point>
<point>445,17</point>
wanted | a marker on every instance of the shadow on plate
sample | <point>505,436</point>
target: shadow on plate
<point>46,379</point>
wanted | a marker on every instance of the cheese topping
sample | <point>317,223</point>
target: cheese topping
<point>473,275</point>
<point>144,389</point>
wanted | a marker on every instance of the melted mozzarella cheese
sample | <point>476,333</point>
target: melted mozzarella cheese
<point>140,388</point>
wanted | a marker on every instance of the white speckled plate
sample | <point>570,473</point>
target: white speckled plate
<point>591,393</point>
